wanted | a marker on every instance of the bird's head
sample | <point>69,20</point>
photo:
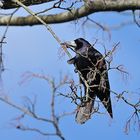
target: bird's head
<point>79,45</point>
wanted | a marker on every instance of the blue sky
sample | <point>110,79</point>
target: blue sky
<point>34,49</point>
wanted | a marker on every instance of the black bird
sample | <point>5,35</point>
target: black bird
<point>91,67</point>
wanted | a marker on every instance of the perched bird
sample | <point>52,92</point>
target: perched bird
<point>91,67</point>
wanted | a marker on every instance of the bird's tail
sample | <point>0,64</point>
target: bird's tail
<point>108,106</point>
<point>84,112</point>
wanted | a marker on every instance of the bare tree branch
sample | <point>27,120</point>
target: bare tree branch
<point>2,42</point>
<point>76,13</point>
<point>29,107</point>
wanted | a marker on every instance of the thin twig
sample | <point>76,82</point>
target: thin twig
<point>44,23</point>
<point>1,43</point>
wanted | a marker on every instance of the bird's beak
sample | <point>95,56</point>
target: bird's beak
<point>70,44</point>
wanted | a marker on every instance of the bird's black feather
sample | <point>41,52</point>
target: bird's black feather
<point>92,69</point>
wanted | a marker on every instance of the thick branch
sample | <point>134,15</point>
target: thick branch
<point>7,4</point>
<point>89,8</point>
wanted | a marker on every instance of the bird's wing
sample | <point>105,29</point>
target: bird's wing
<point>101,79</point>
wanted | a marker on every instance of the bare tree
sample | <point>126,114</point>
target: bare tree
<point>68,10</point>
